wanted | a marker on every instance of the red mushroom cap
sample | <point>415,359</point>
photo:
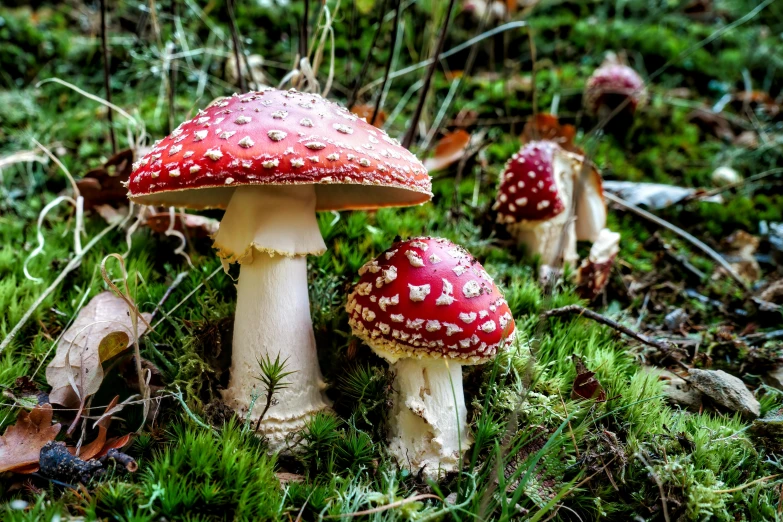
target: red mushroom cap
<point>614,79</point>
<point>273,137</point>
<point>427,297</point>
<point>528,189</point>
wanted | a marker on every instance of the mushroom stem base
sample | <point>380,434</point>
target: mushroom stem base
<point>542,238</point>
<point>273,318</point>
<point>428,423</point>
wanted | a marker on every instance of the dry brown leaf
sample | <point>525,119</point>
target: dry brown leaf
<point>449,150</point>
<point>197,226</point>
<point>76,371</point>
<point>586,386</point>
<point>20,445</point>
<point>548,127</point>
<point>365,111</point>
<point>105,185</point>
<point>100,446</point>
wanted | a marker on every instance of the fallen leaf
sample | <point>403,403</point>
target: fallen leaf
<point>449,150</point>
<point>712,123</point>
<point>547,127</point>
<point>113,344</point>
<point>197,226</point>
<point>106,184</point>
<point>100,446</point>
<point>740,251</point>
<point>654,195</point>
<point>76,371</point>
<point>757,101</point>
<point>112,216</point>
<point>366,111</point>
<point>20,445</point>
<point>586,386</point>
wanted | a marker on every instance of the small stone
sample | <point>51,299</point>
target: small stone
<point>726,390</point>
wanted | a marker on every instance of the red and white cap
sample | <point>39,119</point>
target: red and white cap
<point>614,80</point>
<point>427,297</point>
<point>537,183</point>
<point>273,137</point>
<point>529,189</point>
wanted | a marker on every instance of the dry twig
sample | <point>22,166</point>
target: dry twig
<point>585,312</point>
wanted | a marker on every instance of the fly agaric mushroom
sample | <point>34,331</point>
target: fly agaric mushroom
<point>612,85</point>
<point>429,308</point>
<point>272,159</point>
<point>593,273</point>
<point>536,188</point>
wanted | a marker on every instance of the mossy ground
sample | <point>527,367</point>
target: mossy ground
<point>538,453</point>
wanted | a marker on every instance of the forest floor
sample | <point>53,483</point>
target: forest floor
<point>654,449</point>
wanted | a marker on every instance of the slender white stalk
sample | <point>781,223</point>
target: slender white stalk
<point>542,238</point>
<point>428,421</point>
<point>270,231</point>
<point>273,318</point>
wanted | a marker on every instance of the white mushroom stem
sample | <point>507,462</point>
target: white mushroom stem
<point>428,422</point>
<point>544,237</point>
<point>270,230</point>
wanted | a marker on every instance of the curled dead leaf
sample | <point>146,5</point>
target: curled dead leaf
<point>366,111</point>
<point>196,226</point>
<point>76,371</point>
<point>20,445</point>
<point>448,150</point>
<point>548,127</point>
<point>106,184</point>
<point>586,386</point>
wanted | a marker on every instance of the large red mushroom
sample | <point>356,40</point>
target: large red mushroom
<point>428,307</point>
<point>272,159</point>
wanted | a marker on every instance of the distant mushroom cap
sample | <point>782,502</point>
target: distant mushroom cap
<point>613,78</point>
<point>427,297</point>
<point>528,188</point>
<point>273,137</point>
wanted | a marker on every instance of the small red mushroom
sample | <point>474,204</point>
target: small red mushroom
<point>272,159</point>
<point>428,307</point>
<point>536,187</point>
<point>612,85</point>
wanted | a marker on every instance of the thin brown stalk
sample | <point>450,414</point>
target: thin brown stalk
<point>682,233</point>
<point>305,29</point>
<point>173,71</point>
<point>660,486</point>
<point>586,312</point>
<point>235,41</point>
<point>408,139</point>
<point>393,43</point>
<point>107,76</point>
<point>366,64</point>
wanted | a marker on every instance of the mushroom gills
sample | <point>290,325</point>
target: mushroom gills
<point>428,425</point>
<point>277,220</point>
